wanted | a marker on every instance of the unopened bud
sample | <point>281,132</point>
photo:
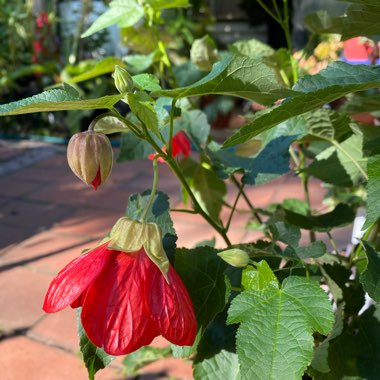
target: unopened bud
<point>204,53</point>
<point>90,157</point>
<point>123,80</point>
<point>235,257</point>
<point>129,235</point>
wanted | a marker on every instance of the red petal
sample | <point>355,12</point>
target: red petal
<point>114,313</point>
<point>74,278</point>
<point>170,306</point>
<point>181,144</point>
<point>97,180</point>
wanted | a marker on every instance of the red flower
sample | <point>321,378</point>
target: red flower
<point>125,300</point>
<point>37,47</point>
<point>42,20</point>
<point>180,145</point>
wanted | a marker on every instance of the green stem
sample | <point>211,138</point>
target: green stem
<point>227,227</point>
<point>270,13</point>
<point>185,210</point>
<point>154,189</point>
<point>170,143</point>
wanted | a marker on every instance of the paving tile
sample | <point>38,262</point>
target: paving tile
<point>12,235</point>
<point>13,188</point>
<point>21,296</point>
<point>57,329</point>
<point>21,358</point>
<point>32,214</point>
<point>89,222</point>
<point>37,247</point>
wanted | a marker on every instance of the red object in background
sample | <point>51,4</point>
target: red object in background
<point>126,301</point>
<point>42,20</point>
<point>357,51</point>
<point>180,145</point>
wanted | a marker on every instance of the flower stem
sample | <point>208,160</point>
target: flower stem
<point>170,143</point>
<point>154,189</point>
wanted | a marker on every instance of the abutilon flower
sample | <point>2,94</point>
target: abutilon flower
<point>127,298</point>
<point>180,145</point>
<point>90,157</point>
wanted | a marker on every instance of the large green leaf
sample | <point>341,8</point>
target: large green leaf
<point>313,91</point>
<point>361,103</point>
<point>57,100</point>
<point>125,13</point>
<point>275,340</point>
<point>361,19</point>
<point>373,190</point>
<point>240,76</point>
<point>94,357</point>
<point>370,278</point>
<point>252,48</point>
<point>202,271</point>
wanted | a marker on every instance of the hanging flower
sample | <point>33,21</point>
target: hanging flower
<point>180,145</point>
<point>125,297</point>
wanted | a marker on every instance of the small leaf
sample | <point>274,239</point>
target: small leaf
<point>138,63</point>
<point>287,233</point>
<point>259,278</point>
<point>313,91</point>
<point>94,357</point>
<point>57,100</point>
<point>133,148</point>
<point>133,362</point>
<point>370,278</point>
<point>146,82</point>
<point>202,271</point>
<point>110,124</point>
<point>195,123</point>
<point>275,322</point>
<point>239,76</point>
<point>125,13</point>
<point>373,190</point>
<point>313,250</point>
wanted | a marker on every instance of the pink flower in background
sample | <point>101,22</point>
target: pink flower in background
<point>42,20</point>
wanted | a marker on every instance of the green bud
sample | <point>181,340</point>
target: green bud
<point>123,80</point>
<point>235,257</point>
<point>204,53</point>
<point>90,157</point>
<point>129,235</point>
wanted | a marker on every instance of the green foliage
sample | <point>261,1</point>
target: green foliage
<point>312,92</point>
<point>266,331</point>
<point>370,278</point>
<point>373,188</point>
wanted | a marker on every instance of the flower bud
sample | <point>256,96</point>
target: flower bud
<point>204,53</point>
<point>235,257</point>
<point>123,80</point>
<point>129,235</point>
<point>90,157</point>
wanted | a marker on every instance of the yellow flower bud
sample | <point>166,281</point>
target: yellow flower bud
<point>90,157</point>
<point>123,80</point>
<point>235,257</point>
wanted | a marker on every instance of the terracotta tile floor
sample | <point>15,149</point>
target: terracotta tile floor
<point>47,217</point>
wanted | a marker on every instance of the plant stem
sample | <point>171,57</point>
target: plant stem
<point>154,189</point>
<point>185,210</point>
<point>170,143</point>
<point>270,13</point>
<point>227,227</point>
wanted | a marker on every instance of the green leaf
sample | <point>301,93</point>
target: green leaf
<point>133,148</point>
<point>138,63</point>
<point>313,91</point>
<point>141,105</point>
<point>94,357</point>
<point>57,100</point>
<point>259,278</point>
<point>277,322</point>
<point>133,362</point>
<point>313,250</point>
<point>285,232</point>
<point>360,19</point>
<point>373,189</point>
<point>125,13</point>
<point>202,271</point>
<point>251,48</point>
<point>146,82</point>
<point>339,217</point>
<point>223,365</point>
<point>110,124</point>
<point>296,205</point>
<point>158,213</point>
<point>361,103</point>
<point>195,123</point>
<point>238,76</point>
<point>104,66</point>
<point>164,4</point>
<point>370,278</point>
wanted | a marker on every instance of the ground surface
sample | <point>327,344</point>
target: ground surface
<point>47,217</point>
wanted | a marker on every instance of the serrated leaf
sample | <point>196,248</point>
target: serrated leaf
<point>202,271</point>
<point>373,190</point>
<point>125,13</point>
<point>57,100</point>
<point>277,322</point>
<point>313,91</point>
<point>259,278</point>
<point>339,217</point>
<point>133,362</point>
<point>94,357</point>
<point>238,76</point>
<point>370,278</point>
<point>285,232</point>
<point>360,19</point>
<point>158,213</point>
<point>133,148</point>
<point>141,105</point>
<point>313,250</point>
<point>146,82</point>
<point>251,48</point>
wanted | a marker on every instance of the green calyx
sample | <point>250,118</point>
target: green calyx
<point>129,235</point>
<point>123,80</point>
